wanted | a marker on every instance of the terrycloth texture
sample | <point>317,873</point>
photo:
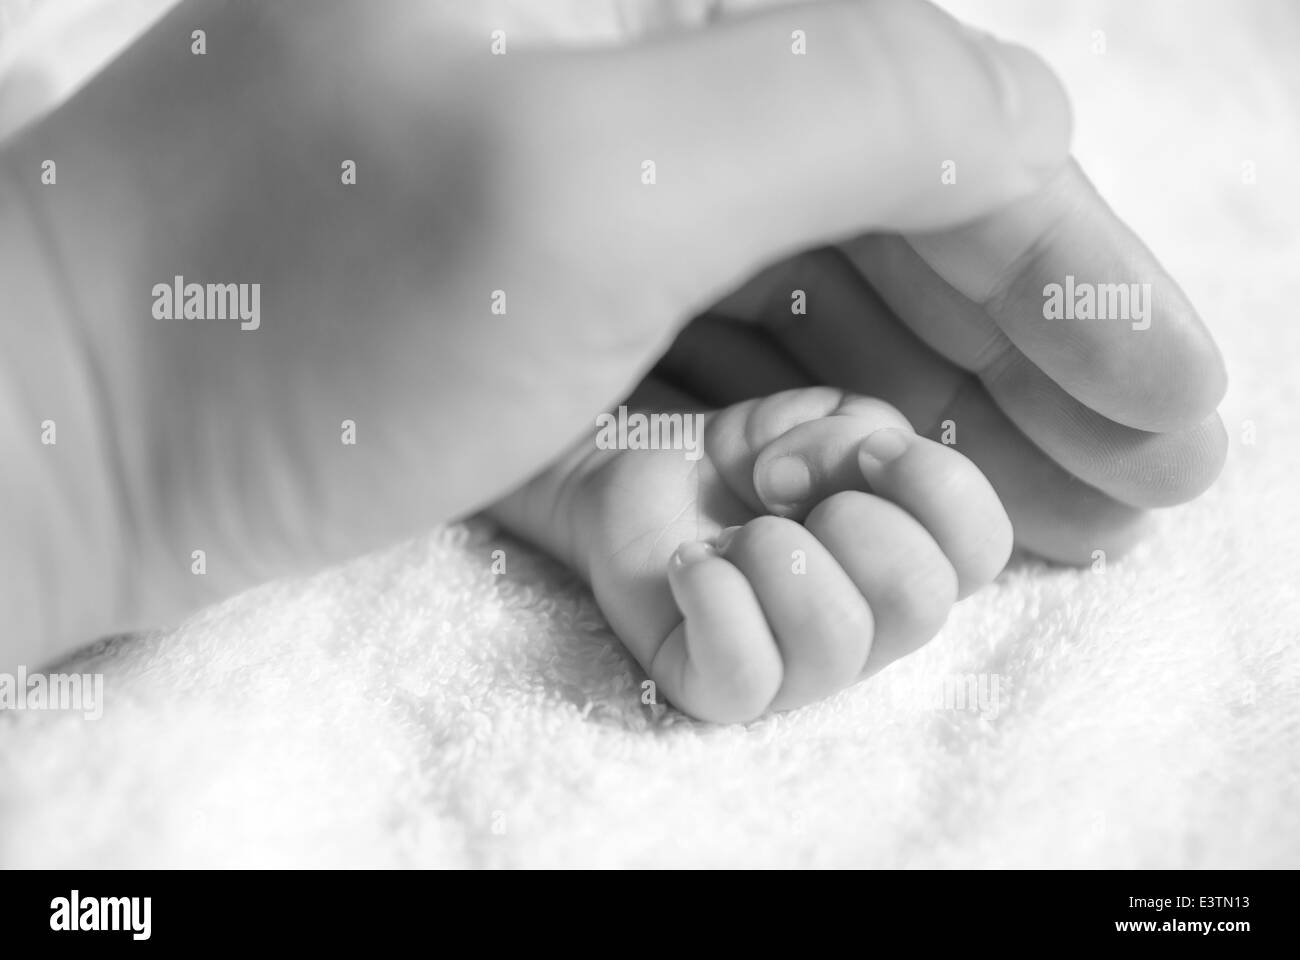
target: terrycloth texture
<point>414,709</point>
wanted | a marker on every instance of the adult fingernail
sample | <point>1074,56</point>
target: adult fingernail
<point>691,552</point>
<point>880,448</point>
<point>785,481</point>
<point>1034,103</point>
<point>723,540</point>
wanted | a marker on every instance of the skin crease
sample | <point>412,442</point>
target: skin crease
<point>375,302</point>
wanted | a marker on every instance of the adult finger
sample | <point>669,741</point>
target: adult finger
<point>836,117</point>
<point>850,332</point>
<point>848,338</point>
<point>1076,291</point>
<point>1139,467</point>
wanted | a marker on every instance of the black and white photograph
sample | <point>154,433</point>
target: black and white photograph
<point>650,435</point>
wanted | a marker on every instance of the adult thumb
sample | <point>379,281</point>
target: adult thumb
<point>769,132</point>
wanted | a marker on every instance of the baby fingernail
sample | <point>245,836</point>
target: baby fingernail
<point>785,481</point>
<point>693,551</point>
<point>881,447</point>
<point>723,540</point>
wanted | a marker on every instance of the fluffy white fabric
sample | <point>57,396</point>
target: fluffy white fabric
<point>415,709</point>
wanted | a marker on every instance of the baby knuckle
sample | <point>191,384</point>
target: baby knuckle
<point>763,533</point>
<point>747,691</point>
<point>772,416</point>
<point>836,633</point>
<point>921,598</point>
<point>836,511</point>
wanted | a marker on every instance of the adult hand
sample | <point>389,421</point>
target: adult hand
<point>1081,423</point>
<point>607,194</point>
